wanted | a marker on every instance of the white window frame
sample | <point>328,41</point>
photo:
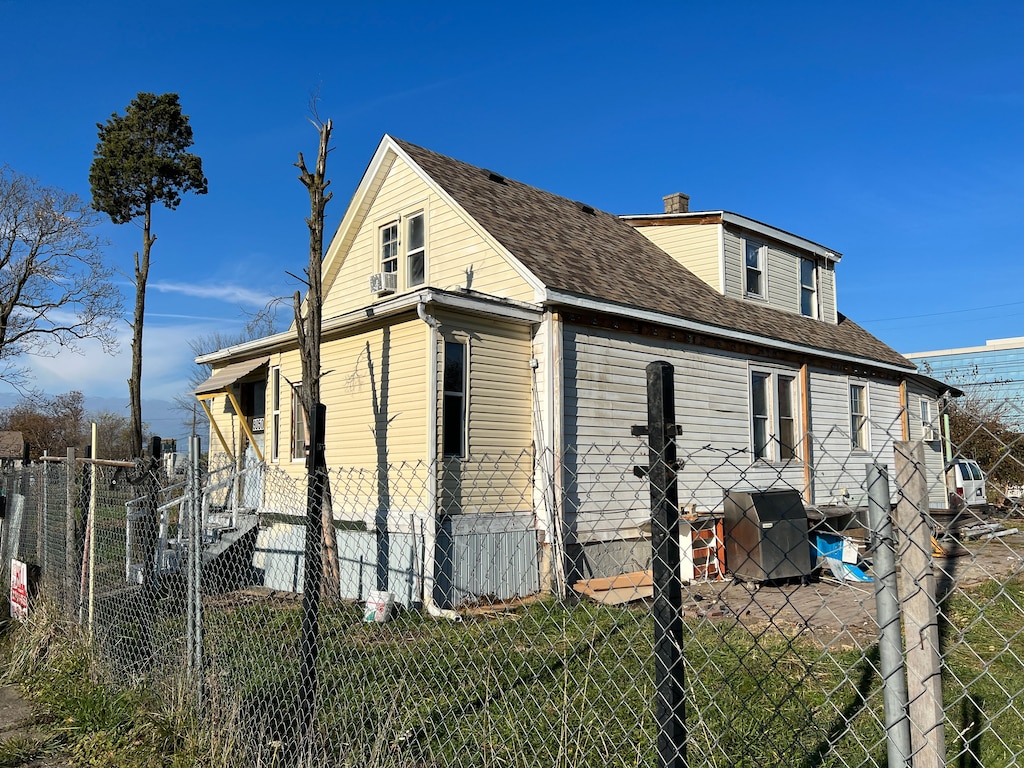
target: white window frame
<point>452,396</point>
<point>860,431</point>
<point>298,422</point>
<point>774,417</point>
<point>761,268</point>
<point>275,414</point>
<point>390,245</point>
<point>927,412</point>
<point>417,252</point>
<point>809,288</point>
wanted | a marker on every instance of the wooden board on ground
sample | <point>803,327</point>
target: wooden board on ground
<point>616,590</point>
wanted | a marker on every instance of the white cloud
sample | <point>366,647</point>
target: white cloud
<point>233,294</point>
<point>166,363</point>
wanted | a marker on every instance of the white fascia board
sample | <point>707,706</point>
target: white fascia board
<point>532,280</point>
<point>345,232</point>
<point>480,304</point>
<point>757,227</point>
<point>682,324</point>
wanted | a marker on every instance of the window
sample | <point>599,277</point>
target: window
<point>453,419</point>
<point>928,431</point>
<point>389,247</point>
<point>774,425</point>
<point>808,288</point>
<point>298,425</point>
<point>755,268</point>
<point>275,413</point>
<point>415,250</point>
<point>859,416</point>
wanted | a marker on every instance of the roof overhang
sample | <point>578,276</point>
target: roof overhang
<point>718,217</point>
<point>461,300</point>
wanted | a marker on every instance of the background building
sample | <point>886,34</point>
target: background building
<point>990,374</point>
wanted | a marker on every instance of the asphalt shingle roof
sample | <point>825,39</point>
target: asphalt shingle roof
<point>577,249</point>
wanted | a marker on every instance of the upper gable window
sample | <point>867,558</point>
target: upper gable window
<point>414,249</point>
<point>403,254</point>
<point>808,288</point>
<point>755,260</point>
<point>389,247</point>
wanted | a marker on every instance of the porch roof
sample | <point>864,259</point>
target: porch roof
<point>229,374</point>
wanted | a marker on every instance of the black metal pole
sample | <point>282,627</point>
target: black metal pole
<point>669,679</point>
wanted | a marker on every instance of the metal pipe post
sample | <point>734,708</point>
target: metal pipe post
<point>887,603</point>
<point>670,702</point>
<point>196,562</point>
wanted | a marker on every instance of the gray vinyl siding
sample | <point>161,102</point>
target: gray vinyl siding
<point>733,264</point>
<point>934,460</point>
<point>827,288</point>
<point>781,276</point>
<point>839,470</point>
<point>605,393</point>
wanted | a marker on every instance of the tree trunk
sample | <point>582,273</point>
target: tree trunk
<point>135,381</point>
<point>308,324</point>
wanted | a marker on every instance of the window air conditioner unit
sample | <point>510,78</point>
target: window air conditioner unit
<point>383,283</point>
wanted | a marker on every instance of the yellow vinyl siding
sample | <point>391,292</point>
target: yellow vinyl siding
<point>695,246</point>
<point>384,369</point>
<point>495,475</point>
<point>453,247</point>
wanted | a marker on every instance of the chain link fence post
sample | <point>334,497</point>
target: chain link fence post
<point>882,549</point>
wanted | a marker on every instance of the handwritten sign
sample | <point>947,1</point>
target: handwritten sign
<point>19,590</point>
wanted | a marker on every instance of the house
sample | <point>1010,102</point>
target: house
<point>485,343</point>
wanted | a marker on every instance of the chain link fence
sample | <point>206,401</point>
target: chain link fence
<point>519,624</point>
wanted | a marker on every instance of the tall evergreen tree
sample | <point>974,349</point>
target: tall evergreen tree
<point>141,159</point>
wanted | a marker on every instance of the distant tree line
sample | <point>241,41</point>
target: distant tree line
<point>51,425</point>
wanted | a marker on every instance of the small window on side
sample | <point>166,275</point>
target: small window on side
<point>453,417</point>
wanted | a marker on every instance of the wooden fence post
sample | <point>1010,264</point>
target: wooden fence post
<point>920,612</point>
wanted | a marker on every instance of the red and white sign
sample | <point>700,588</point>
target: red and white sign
<point>19,590</point>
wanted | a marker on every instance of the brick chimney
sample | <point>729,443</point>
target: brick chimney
<point>677,203</point>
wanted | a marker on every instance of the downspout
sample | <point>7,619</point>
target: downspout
<point>428,594</point>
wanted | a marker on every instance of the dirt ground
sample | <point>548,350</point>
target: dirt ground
<point>842,614</point>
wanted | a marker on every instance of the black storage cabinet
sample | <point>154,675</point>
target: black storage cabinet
<point>766,536</point>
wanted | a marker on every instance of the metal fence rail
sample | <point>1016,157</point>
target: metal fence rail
<point>516,626</point>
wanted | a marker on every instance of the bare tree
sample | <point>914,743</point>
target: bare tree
<point>308,323</point>
<point>55,289</point>
<point>321,549</point>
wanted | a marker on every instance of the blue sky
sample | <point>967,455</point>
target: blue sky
<point>889,132</point>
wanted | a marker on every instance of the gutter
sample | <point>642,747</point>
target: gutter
<point>651,316</point>
<point>479,303</point>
